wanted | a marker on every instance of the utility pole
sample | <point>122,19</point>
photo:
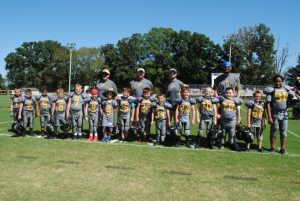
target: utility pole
<point>70,47</point>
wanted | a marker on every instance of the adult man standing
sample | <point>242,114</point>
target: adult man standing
<point>105,84</point>
<point>227,80</point>
<point>137,85</point>
<point>172,90</point>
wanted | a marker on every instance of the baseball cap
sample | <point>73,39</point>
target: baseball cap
<point>173,70</point>
<point>227,64</point>
<point>140,69</point>
<point>94,92</point>
<point>106,71</point>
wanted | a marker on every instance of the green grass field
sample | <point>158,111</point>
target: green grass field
<point>39,169</point>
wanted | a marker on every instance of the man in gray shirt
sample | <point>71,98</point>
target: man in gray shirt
<point>137,85</point>
<point>105,84</point>
<point>227,80</point>
<point>172,91</point>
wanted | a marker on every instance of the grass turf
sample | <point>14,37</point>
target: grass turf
<point>39,169</point>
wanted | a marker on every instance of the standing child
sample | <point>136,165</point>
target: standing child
<point>161,116</point>
<point>126,112</point>
<point>58,110</point>
<point>256,118</point>
<point>208,112</point>
<point>15,105</point>
<point>230,117</point>
<point>277,98</point>
<point>108,106</point>
<point>76,102</point>
<point>184,107</point>
<point>143,113</point>
<point>27,109</point>
<point>92,110</point>
<point>44,103</point>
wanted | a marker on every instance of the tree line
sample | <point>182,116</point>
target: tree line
<point>194,55</point>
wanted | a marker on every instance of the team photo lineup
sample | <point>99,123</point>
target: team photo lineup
<point>172,112</point>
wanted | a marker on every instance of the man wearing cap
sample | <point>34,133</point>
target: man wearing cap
<point>172,90</point>
<point>227,80</point>
<point>105,84</point>
<point>137,85</point>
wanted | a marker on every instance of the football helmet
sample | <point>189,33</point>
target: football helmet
<point>66,125</point>
<point>248,136</point>
<point>214,133</point>
<point>50,128</point>
<point>17,127</point>
<point>239,131</point>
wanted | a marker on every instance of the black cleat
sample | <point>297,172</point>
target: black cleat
<point>282,151</point>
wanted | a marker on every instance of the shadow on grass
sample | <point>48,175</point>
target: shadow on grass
<point>240,178</point>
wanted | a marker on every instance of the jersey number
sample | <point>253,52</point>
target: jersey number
<point>206,106</point>
<point>44,105</point>
<point>281,97</point>
<point>93,107</point>
<point>257,113</point>
<point>60,106</point>
<point>76,101</point>
<point>228,106</point>
<point>184,109</point>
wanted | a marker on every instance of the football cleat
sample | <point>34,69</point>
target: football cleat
<point>239,132</point>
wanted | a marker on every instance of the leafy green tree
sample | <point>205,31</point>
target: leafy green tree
<point>87,64</point>
<point>253,54</point>
<point>293,73</point>
<point>193,55</point>
<point>37,64</point>
<point>2,82</point>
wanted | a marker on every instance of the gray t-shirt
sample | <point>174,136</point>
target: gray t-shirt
<point>138,86</point>
<point>257,111</point>
<point>77,101</point>
<point>224,81</point>
<point>173,89</point>
<point>44,104</point>
<point>278,97</point>
<point>108,112</point>
<point>125,106</point>
<point>184,108</point>
<point>206,108</point>
<point>104,86</point>
<point>229,108</point>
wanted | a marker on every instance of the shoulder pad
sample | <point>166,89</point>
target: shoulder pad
<point>168,105</point>
<point>249,104</point>
<point>71,94</point>
<point>268,90</point>
<point>152,99</point>
<point>238,101</point>
<point>199,99</point>
<point>214,100</point>
<point>220,98</point>
<point>140,99</point>
<point>287,87</point>
<point>192,101</point>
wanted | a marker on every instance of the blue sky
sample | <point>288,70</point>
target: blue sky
<point>91,23</point>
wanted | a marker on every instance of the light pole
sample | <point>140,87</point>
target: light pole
<point>230,52</point>
<point>70,46</point>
